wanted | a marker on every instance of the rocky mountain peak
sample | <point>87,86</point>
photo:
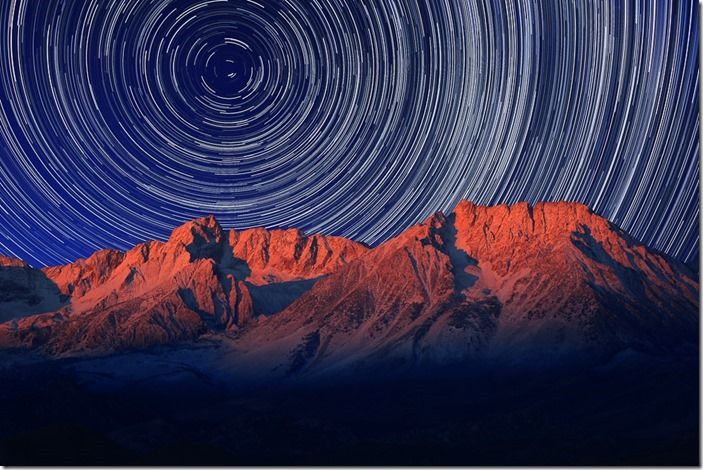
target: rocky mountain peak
<point>202,237</point>
<point>10,262</point>
<point>482,280</point>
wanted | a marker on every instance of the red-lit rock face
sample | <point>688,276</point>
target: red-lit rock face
<point>160,292</point>
<point>8,262</point>
<point>504,282</point>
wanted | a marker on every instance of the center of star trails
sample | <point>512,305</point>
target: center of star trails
<point>229,69</point>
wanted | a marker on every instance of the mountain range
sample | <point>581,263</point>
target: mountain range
<point>506,335</point>
<point>518,284</point>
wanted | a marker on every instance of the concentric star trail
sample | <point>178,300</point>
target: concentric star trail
<point>121,119</point>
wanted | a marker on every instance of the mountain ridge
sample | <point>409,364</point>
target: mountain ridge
<point>690,265</point>
<point>484,281</point>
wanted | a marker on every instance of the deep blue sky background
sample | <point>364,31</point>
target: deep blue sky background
<point>120,120</point>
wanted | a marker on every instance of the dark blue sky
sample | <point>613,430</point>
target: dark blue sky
<point>120,120</point>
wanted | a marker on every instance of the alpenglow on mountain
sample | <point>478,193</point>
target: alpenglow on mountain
<point>549,283</point>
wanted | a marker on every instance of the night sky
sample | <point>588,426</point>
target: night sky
<point>121,119</point>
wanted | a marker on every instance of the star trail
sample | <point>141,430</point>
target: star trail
<point>121,119</point>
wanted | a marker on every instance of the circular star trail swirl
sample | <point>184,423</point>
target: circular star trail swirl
<point>121,119</point>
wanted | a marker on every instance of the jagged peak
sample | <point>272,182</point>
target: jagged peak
<point>206,233</point>
<point>206,222</point>
<point>106,255</point>
<point>201,238</point>
<point>437,219</point>
<point>207,228</point>
<point>560,214</point>
<point>290,233</point>
<point>550,214</point>
<point>573,206</point>
<point>11,262</point>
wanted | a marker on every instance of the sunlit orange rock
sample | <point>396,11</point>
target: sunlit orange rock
<point>481,283</point>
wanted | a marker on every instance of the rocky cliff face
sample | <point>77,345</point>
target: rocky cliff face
<point>157,293</point>
<point>518,284</point>
<point>515,283</point>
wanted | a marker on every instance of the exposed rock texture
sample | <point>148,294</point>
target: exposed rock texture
<point>9,262</point>
<point>511,283</point>
<point>545,283</point>
<point>157,293</point>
